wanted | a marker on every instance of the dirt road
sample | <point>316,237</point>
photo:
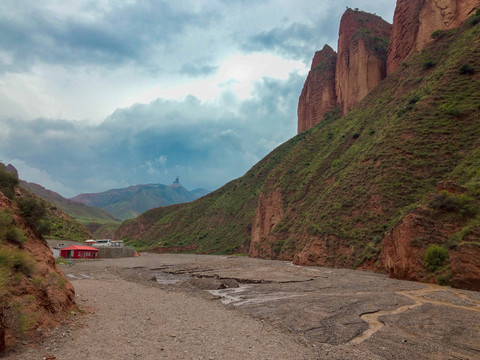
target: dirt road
<point>218,307</point>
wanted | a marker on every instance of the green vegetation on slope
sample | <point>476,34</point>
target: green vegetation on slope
<point>217,223</point>
<point>40,214</point>
<point>351,177</point>
<point>32,291</point>
<point>48,219</point>
<point>82,213</point>
<point>106,231</point>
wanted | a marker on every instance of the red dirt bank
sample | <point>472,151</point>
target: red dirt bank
<point>43,297</point>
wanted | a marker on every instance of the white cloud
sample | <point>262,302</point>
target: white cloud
<point>40,176</point>
<point>157,166</point>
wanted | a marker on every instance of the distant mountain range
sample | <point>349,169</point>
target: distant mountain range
<point>130,202</point>
<point>83,213</point>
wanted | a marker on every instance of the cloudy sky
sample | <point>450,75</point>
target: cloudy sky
<point>102,94</point>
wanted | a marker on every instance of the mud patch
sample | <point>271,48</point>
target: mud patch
<point>169,279</point>
<point>230,296</point>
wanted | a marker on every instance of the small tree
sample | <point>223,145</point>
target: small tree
<point>434,257</point>
<point>32,210</point>
<point>8,181</point>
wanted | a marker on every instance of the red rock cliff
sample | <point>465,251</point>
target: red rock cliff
<point>269,213</point>
<point>318,95</point>
<point>361,64</point>
<point>415,21</point>
<point>403,249</point>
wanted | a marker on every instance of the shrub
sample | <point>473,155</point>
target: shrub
<point>475,19</point>
<point>15,235</point>
<point>23,262</point>
<point>434,257</point>
<point>444,201</point>
<point>38,282</point>
<point>4,257</point>
<point>4,278</point>
<point>8,181</point>
<point>451,109</point>
<point>461,204</point>
<point>32,210</point>
<point>11,317</point>
<point>17,260</point>
<point>467,69</point>
<point>5,220</point>
<point>443,279</point>
<point>414,100</point>
<point>336,163</point>
<point>429,64</point>
<point>44,227</point>
<point>437,34</point>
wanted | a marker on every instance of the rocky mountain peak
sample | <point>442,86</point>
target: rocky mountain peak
<point>342,80</point>
<point>361,63</point>
<point>318,95</point>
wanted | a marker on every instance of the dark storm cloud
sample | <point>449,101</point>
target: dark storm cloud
<point>290,40</point>
<point>126,33</point>
<point>206,144</point>
<point>296,41</point>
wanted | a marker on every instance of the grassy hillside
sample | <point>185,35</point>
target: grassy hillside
<point>106,231</point>
<point>33,292</point>
<point>81,212</point>
<point>217,223</point>
<point>58,225</point>
<point>49,220</point>
<point>351,178</point>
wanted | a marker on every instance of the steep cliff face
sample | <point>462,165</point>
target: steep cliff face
<point>361,64</point>
<point>465,267</point>
<point>327,250</point>
<point>318,95</point>
<point>34,293</point>
<point>446,220</point>
<point>403,248</point>
<point>268,214</point>
<point>414,22</point>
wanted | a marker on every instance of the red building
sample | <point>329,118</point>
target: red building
<point>79,252</point>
